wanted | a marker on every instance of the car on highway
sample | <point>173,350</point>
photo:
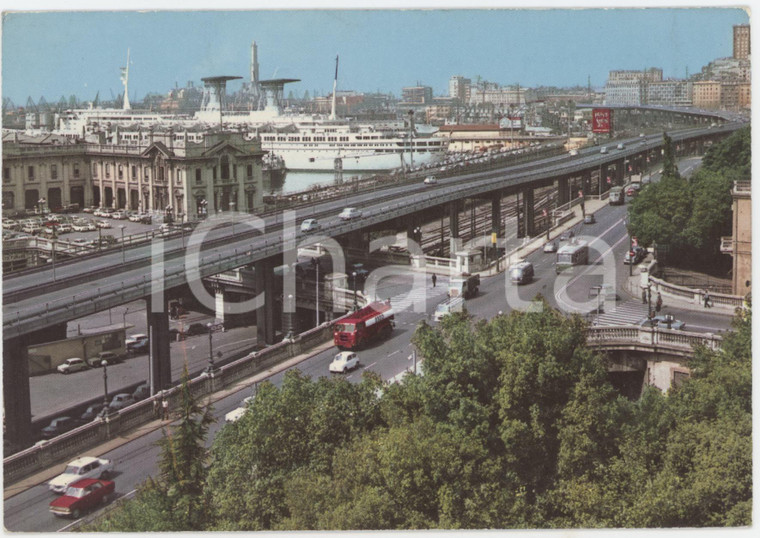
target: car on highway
<point>310,225</point>
<point>573,152</point>
<point>621,146</point>
<point>603,150</point>
<point>343,362</point>
<point>662,322</point>
<point>82,496</point>
<point>635,255</point>
<point>236,414</point>
<point>589,219</point>
<point>84,467</point>
<point>58,426</point>
<point>72,365</point>
<point>430,180</point>
<point>550,247</point>
<point>120,401</point>
<point>109,356</point>
<point>133,339</point>
<point>350,213</point>
<point>633,190</point>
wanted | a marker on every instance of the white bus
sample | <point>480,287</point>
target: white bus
<point>571,255</point>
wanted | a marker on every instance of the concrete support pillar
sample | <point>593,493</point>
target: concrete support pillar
<point>16,395</point>
<point>528,213</point>
<point>455,243</point>
<point>289,316</point>
<point>219,303</point>
<point>496,213</point>
<point>620,168</point>
<point>264,282</point>
<point>603,185</point>
<point>586,182</point>
<point>160,354</point>
<point>563,190</point>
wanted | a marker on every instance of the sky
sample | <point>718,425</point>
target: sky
<point>53,54</point>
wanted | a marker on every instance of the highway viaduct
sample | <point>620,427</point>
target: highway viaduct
<point>37,307</point>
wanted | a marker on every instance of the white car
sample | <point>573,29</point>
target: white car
<point>430,180</point>
<point>550,247</point>
<point>81,226</point>
<point>236,414</point>
<point>344,361</point>
<point>102,224</point>
<point>350,213</point>
<point>72,365</point>
<point>80,243</point>
<point>84,467</point>
<point>310,225</point>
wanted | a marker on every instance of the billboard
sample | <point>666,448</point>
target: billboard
<point>601,120</point>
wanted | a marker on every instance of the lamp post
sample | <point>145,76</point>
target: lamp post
<point>53,255</point>
<point>124,318</point>
<point>289,335</point>
<point>123,253</point>
<point>356,306</point>
<point>598,295</point>
<point>104,364</point>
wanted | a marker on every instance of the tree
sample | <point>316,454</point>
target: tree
<point>669,162</point>
<point>178,500</point>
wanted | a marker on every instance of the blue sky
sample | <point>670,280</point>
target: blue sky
<point>54,54</point>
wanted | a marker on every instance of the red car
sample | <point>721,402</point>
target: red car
<point>81,496</point>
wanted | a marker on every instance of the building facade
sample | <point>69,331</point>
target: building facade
<point>628,87</point>
<point>741,41</point>
<point>186,174</point>
<point>416,95</point>
<point>706,94</point>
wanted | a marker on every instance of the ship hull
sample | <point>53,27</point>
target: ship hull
<point>314,160</point>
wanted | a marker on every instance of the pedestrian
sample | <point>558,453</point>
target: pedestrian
<point>707,299</point>
<point>643,296</point>
<point>659,302</point>
<point>155,408</point>
<point>165,407</point>
<point>435,278</point>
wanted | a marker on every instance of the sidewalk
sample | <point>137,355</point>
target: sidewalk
<point>51,472</point>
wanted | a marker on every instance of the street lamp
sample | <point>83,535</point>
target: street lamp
<point>598,296</point>
<point>211,366</point>
<point>123,254</point>
<point>53,255</point>
<point>124,318</point>
<point>104,364</point>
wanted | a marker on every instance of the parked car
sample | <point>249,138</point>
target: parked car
<point>662,322</point>
<point>196,328</point>
<point>141,392</point>
<point>102,224</point>
<point>91,413</point>
<point>635,255</point>
<point>58,426</point>
<point>90,209</point>
<point>350,213</point>
<point>430,180</point>
<point>84,467</point>
<point>589,219</point>
<point>139,348</point>
<point>80,243</point>
<point>80,226</point>
<point>344,361</point>
<point>551,246</point>
<point>82,496</point>
<point>72,365</point>
<point>109,356</point>
<point>120,401</point>
<point>133,339</point>
<point>310,225</point>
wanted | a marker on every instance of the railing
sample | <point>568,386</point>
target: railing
<point>633,335</point>
<point>85,437</point>
<point>696,296</point>
<point>742,187</point>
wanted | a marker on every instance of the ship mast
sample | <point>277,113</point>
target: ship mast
<point>335,86</point>
<point>125,81</point>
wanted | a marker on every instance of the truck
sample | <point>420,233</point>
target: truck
<point>616,196</point>
<point>465,286</point>
<point>373,322</point>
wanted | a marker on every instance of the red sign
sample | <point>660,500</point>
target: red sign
<point>601,120</point>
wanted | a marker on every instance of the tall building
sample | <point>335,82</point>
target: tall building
<point>741,41</point>
<point>629,87</point>
<point>669,93</point>
<point>416,95</point>
<point>459,88</point>
<point>706,94</point>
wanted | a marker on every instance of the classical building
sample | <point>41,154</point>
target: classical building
<point>739,245</point>
<point>186,172</point>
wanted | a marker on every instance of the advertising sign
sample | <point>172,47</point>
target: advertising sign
<point>601,120</point>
